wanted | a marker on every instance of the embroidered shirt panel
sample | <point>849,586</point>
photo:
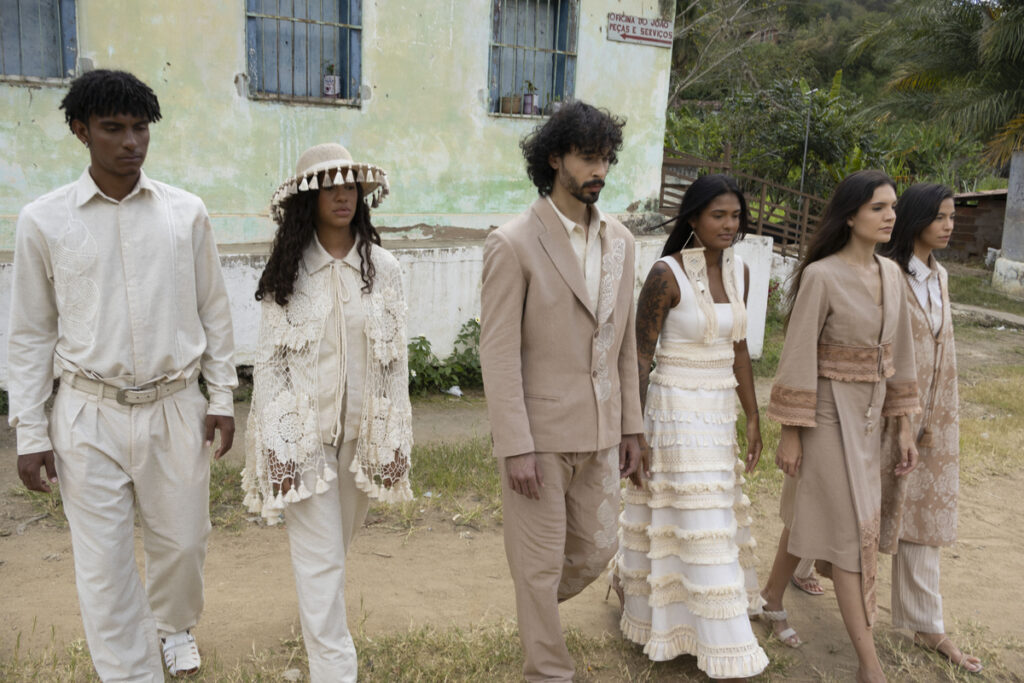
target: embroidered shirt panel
<point>127,292</point>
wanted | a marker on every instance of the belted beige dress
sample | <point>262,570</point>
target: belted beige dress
<point>847,362</point>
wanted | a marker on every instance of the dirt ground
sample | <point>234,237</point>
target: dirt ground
<point>441,575</point>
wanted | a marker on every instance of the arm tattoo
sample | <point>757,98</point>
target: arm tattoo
<point>656,298</point>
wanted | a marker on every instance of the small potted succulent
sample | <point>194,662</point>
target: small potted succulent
<point>332,82</point>
<point>531,101</point>
<point>554,104</point>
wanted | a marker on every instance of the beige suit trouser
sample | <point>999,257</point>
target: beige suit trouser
<point>916,601</point>
<point>557,546</point>
<point>111,460</point>
<point>320,531</point>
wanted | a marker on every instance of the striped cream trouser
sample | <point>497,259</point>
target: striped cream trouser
<point>320,531</point>
<point>916,601</point>
<point>111,461</point>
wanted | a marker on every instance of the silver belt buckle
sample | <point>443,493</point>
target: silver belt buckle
<point>128,396</point>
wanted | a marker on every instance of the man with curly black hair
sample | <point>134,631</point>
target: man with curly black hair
<point>117,283</point>
<point>560,373</point>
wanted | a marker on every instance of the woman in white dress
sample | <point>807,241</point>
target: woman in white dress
<point>684,571</point>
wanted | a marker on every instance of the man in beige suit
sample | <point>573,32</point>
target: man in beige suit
<point>560,374</point>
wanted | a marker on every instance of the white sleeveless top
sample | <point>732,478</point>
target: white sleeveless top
<point>685,322</point>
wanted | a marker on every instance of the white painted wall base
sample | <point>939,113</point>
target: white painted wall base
<point>1008,277</point>
<point>442,285</point>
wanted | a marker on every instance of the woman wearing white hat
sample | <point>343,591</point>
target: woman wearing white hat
<point>330,425</point>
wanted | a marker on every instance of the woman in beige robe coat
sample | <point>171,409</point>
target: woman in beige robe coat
<point>847,362</point>
<point>919,511</point>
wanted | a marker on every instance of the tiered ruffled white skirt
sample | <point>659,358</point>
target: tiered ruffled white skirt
<point>686,558</point>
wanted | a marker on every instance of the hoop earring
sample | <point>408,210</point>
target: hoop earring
<point>687,242</point>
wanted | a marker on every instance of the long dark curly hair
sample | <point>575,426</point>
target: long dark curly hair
<point>578,126</point>
<point>294,231</point>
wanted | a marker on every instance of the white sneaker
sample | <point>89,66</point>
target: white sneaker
<point>181,656</point>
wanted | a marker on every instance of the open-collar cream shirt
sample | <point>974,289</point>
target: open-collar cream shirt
<point>341,364</point>
<point>586,243</point>
<point>126,292</point>
<point>924,280</point>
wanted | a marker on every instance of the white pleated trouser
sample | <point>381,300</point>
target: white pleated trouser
<point>111,460</point>
<point>916,601</point>
<point>320,530</point>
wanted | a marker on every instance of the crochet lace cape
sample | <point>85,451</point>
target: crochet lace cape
<point>283,432</point>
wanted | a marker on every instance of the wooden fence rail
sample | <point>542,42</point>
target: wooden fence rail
<point>786,215</point>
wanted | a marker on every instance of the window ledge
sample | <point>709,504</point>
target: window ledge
<point>34,81</point>
<point>305,99</point>
<point>529,117</point>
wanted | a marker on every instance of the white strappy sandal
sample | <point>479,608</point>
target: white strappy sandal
<point>787,636</point>
<point>181,656</point>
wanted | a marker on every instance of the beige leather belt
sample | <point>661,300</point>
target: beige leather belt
<point>126,396</point>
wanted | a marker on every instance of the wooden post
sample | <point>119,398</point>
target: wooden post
<point>804,220</point>
<point>727,157</point>
<point>760,208</point>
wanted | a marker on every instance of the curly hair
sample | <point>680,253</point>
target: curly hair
<point>107,93</point>
<point>576,126</point>
<point>294,231</point>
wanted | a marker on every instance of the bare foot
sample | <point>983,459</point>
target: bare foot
<point>877,676</point>
<point>940,642</point>
<point>808,584</point>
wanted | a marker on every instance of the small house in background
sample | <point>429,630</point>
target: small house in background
<point>438,92</point>
<point>978,224</point>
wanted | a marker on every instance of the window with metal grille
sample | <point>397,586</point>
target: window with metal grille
<point>304,49</point>
<point>37,39</point>
<point>533,55</point>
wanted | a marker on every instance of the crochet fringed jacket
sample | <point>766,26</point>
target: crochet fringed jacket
<point>283,435</point>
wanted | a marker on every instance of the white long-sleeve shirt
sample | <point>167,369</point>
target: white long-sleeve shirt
<point>126,292</point>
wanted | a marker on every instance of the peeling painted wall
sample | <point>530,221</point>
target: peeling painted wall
<point>442,286</point>
<point>424,117</point>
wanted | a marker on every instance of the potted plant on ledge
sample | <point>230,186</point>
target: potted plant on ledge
<point>512,104</point>
<point>332,82</point>
<point>530,99</point>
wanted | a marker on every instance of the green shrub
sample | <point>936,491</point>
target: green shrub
<point>461,368</point>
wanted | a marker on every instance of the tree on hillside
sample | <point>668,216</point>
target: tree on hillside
<point>961,61</point>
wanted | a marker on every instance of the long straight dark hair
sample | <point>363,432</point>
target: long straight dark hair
<point>296,229</point>
<point>917,208</point>
<point>698,195</point>
<point>833,232</point>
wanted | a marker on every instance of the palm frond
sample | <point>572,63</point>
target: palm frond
<point>1010,139</point>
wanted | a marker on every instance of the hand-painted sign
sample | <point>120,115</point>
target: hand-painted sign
<point>629,29</point>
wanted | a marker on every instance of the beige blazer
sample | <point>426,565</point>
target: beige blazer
<point>560,373</point>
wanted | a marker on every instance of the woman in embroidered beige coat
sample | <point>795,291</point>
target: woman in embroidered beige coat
<point>330,423</point>
<point>846,363</point>
<point>919,511</point>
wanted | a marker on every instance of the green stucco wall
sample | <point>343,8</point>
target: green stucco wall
<point>424,63</point>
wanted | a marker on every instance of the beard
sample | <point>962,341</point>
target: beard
<point>587,193</point>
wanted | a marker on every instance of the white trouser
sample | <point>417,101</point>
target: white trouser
<point>804,569</point>
<point>320,529</point>
<point>916,601</point>
<point>111,459</point>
